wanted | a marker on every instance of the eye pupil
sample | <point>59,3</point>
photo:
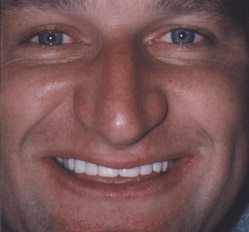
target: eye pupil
<point>181,36</point>
<point>51,38</point>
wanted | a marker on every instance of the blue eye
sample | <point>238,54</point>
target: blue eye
<point>183,36</point>
<point>51,38</point>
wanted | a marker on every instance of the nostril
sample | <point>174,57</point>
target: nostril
<point>155,108</point>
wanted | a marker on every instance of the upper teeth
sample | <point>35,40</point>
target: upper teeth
<point>83,167</point>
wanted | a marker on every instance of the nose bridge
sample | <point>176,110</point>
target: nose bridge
<point>120,105</point>
<point>120,77</point>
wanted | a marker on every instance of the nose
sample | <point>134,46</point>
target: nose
<point>123,107</point>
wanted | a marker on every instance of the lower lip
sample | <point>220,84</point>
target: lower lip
<point>120,188</point>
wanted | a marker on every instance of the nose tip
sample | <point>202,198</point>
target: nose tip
<point>127,123</point>
<point>122,128</point>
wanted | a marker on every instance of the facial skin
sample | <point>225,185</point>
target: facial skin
<point>120,92</point>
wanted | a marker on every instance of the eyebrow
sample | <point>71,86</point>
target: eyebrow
<point>212,7</point>
<point>186,4</point>
<point>180,5</point>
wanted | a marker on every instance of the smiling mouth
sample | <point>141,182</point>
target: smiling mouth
<point>91,169</point>
<point>91,179</point>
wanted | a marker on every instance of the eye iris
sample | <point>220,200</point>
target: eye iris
<point>183,36</point>
<point>51,38</point>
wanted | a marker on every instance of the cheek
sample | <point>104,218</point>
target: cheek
<point>213,96</point>
<point>28,96</point>
<point>30,93</point>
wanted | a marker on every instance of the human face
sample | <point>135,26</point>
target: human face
<point>121,84</point>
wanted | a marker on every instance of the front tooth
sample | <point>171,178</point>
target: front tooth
<point>157,167</point>
<point>91,169</point>
<point>130,172</point>
<point>107,172</point>
<point>80,166</point>
<point>71,164</point>
<point>146,169</point>
<point>165,166</point>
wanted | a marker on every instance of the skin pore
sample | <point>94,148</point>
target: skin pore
<point>121,84</point>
